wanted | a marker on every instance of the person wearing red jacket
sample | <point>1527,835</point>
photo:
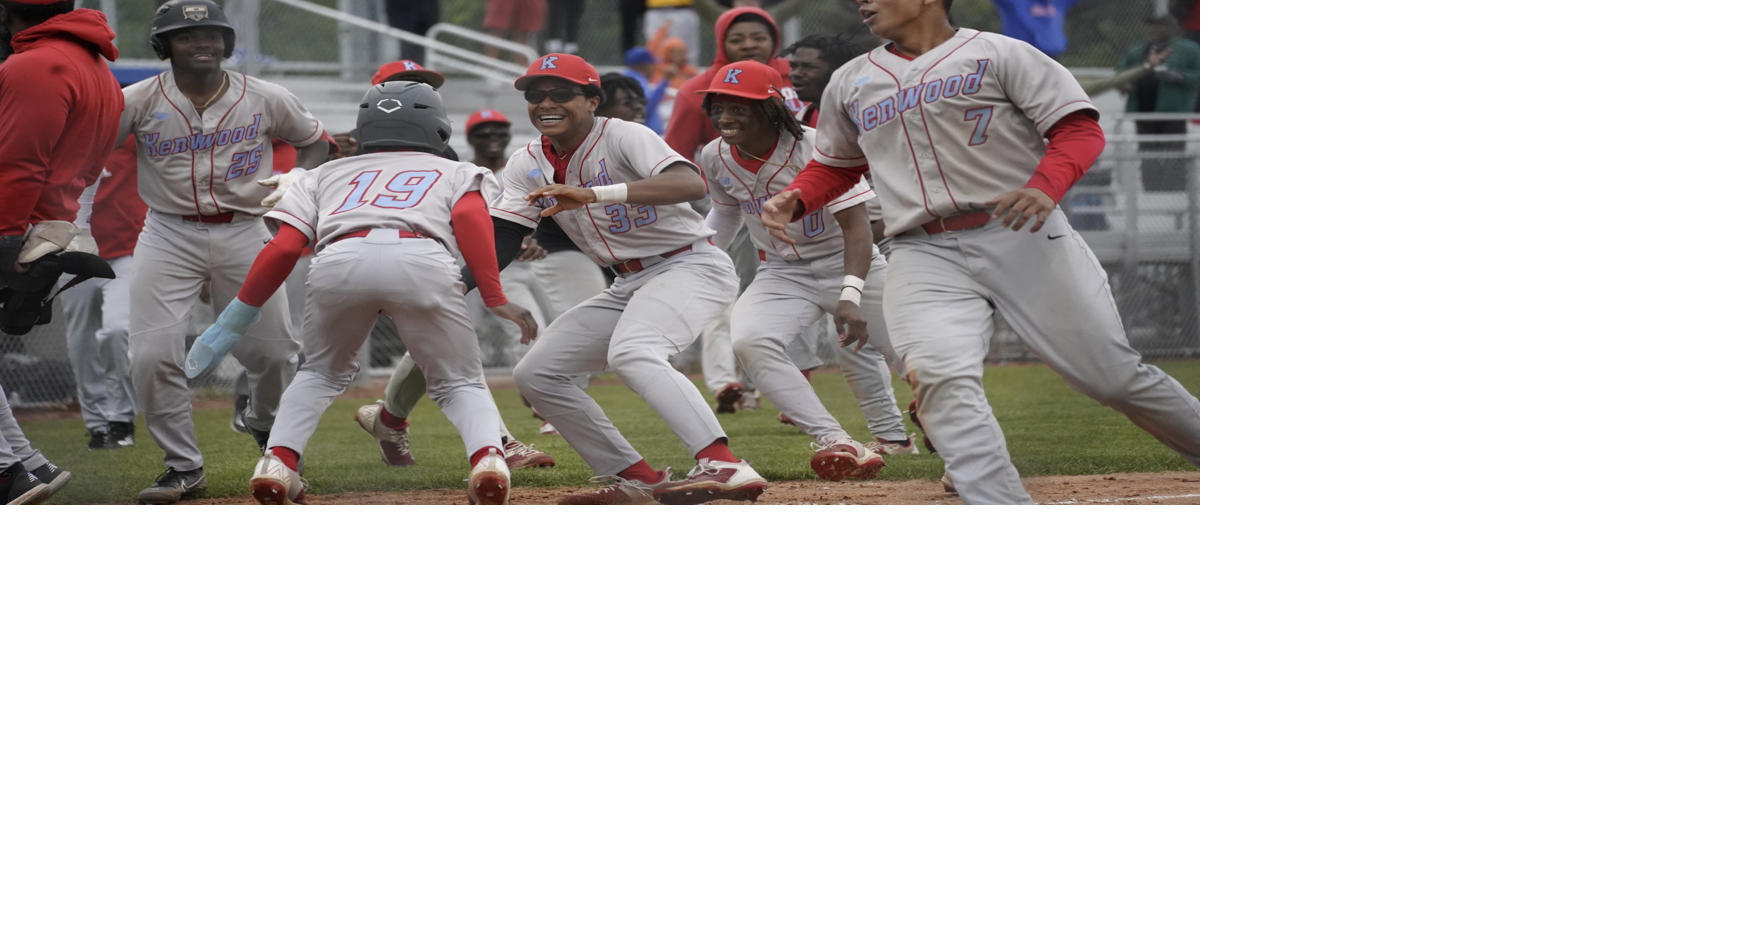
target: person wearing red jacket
<point>58,112</point>
<point>97,311</point>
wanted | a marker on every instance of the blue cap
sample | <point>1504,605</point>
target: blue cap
<point>639,55</point>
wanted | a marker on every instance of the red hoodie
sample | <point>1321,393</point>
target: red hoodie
<point>59,106</point>
<point>690,129</point>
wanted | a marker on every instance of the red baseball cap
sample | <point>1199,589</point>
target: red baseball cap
<point>567,67</point>
<point>747,79</point>
<point>482,116</point>
<point>405,69</point>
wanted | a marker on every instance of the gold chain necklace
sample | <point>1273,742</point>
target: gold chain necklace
<point>225,81</point>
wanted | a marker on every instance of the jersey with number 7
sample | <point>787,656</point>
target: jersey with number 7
<point>949,130</point>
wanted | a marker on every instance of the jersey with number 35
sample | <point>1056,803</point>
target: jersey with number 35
<point>615,151</point>
<point>406,190</point>
<point>943,133</point>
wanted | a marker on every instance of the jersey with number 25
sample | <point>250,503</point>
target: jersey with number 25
<point>405,190</point>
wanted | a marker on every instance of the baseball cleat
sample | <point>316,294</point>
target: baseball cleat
<point>173,487</point>
<point>836,461</point>
<point>912,412</point>
<point>98,439</point>
<point>52,476</point>
<point>949,485</point>
<point>711,480</point>
<point>521,456</point>
<point>889,448</point>
<point>548,429</point>
<point>617,490</point>
<point>273,483</point>
<point>488,484</point>
<point>750,401</point>
<point>19,486</point>
<point>728,399</point>
<point>394,442</point>
<point>240,403</point>
<point>122,434</point>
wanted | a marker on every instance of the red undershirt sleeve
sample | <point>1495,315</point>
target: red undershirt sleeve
<point>1073,144</point>
<point>477,244</point>
<point>821,184</point>
<point>272,266</point>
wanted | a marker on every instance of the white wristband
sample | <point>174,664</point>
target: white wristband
<point>851,282</point>
<point>611,193</point>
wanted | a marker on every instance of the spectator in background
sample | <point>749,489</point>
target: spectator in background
<point>812,63</point>
<point>516,20</point>
<point>1040,23</point>
<point>672,69</point>
<point>416,16</point>
<point>624,99</point>
<point>742,34</point>
<point>679,20</point>
<point>563,26</point>
<point>641,68</point>
<point>1170,87</point>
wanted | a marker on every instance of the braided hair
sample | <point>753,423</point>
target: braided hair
<point>770,109</point>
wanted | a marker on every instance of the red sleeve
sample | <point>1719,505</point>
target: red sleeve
<point>821,184</point>
<point>272,266</point>
<point>33,111</point>
<point>1073,144</point>
<point>689,129</point>
<point>477,244</point>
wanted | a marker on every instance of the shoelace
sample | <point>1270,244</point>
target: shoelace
<point>818,446</point>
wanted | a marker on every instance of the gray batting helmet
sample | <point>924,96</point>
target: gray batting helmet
<point>402,114</point>
<point>179,15</point>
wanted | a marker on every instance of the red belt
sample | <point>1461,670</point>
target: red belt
<point>957,222</point>
<point>633,265</point>
<point>219,218</point>
<point>363,234</point>
<point>762,256</point>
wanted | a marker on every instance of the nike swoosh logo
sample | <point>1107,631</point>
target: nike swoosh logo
<point>1054,237</point>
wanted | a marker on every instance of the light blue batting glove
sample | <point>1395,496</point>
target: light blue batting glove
<point>220,338</point>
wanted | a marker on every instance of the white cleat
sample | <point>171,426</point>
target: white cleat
<point>273,483</point>
<point>488,483</point>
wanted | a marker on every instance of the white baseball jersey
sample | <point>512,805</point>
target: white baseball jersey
<point>733,186</point>
<point>944,132</point>
<point>209,163</point>
<point>615,151</point>
<point>390,189</point>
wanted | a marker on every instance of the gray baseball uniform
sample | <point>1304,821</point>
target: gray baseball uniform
<point>796,286</point>
<point>942,134</point>
<point>646,316</point>
<point>414,280</point>
<point>198,175</point>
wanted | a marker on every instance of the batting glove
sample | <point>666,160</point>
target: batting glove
<point>220,338</point>
<point>280,183</point>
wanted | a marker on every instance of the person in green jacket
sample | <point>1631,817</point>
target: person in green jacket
<point>1169,86</point>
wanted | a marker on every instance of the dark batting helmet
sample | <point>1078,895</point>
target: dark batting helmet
<point>179,15</point>
<point>402,114</point>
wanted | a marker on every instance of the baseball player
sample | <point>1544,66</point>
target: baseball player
<point>761,150</point>
<point>203,140</point>
<point>671,281</point>
<point>385,224</point>
<point>970,139</point>
<point>97,311</point>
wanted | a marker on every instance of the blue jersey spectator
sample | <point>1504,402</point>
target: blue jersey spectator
<point>1040,23</point>
<point>639,63</point>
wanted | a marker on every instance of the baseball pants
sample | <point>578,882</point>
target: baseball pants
<point>173,258</point>
<point>869,374</point>
<point>14,446</point>
<point>97,313</point>
<point>1049,287</point>
<point>414,281</point>
<point>632,329</point>
<point>788,298</point>
<point>717,353</point>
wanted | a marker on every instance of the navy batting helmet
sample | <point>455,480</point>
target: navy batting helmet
<point>402,114</point>
<point>179,15</point>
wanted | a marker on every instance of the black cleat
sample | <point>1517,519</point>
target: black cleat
<point>174,487</point>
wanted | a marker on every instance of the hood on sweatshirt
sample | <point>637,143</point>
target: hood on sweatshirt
<point>88,26</point>
<point>726,20</point>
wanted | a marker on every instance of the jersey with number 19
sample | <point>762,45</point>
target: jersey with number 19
<point>406,190</point>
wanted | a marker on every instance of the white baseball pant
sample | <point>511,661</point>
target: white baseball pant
<point>1049,287</point>
<point>172,259</point>
<point>415,282</point>
<point>97,313</point>
<point>14,446</point>
<point>632,329</point>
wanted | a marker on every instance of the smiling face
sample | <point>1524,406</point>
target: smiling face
<point>740,123</point>
<point>489,141</point>
<point>566,124</point>
<point>630,107</point>
<point>197,50</point>
<point>748,41</point>
<point>808,74</point>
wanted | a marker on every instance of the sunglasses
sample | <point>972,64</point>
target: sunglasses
<point>556,95</point>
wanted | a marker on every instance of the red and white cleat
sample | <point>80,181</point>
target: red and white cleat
<point>488,483</point>
<point>888,448</point>
<point>394,442</point>
<point>548,430</point>
<point>616,490</point>
<point>711,481</point>
<point>836,461</point>
<point>728,399</point>
<point>522,456</point>
<point>273,483</point>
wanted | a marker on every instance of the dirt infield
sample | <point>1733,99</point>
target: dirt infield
<point>1116,489</point>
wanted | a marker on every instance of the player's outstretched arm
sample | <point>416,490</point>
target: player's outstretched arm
<point>778,212</point>
<point>677,183</point>
<point>268,272</point>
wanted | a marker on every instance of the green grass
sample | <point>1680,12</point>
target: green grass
<point>1052,431</point>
